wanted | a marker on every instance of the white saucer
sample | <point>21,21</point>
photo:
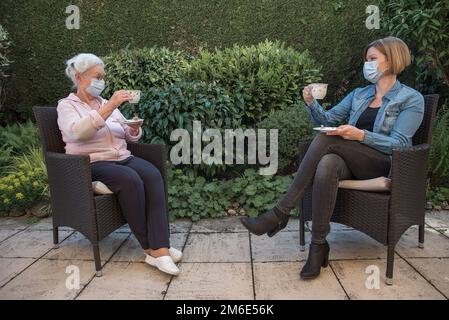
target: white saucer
<point>325,129</point>
<point>130,121</point>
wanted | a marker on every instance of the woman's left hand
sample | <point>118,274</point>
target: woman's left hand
<point>348,132</point>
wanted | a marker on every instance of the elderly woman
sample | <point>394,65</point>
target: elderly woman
<point>89,127</point>
<point>382,116</point>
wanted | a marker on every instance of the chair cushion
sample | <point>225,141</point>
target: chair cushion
<point>100,188</point>
<point>380,184</point>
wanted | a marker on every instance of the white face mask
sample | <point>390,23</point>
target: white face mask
<point>96,87</point>
<point>371,71</point>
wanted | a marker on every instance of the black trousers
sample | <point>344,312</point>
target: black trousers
<point>328,160</point>
<point>139,187</point>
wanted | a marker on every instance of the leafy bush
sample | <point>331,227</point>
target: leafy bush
<point>294,125</point>
<point>5,63</point>
<point>194,197</point>
<point>15,140</point>
<point>438,197</point>
<point>257,193</point>
<point>142,69</point>
<point>25,183</point>
<point>425,24</point>
<point>265,77</point>
<point>178,105</point>
<point>439,152</point>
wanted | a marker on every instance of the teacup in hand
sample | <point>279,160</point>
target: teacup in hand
<point>135,94</point>
<point>319,90</point>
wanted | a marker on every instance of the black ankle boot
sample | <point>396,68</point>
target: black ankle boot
<point>318,257</point>
<point>270,222</point>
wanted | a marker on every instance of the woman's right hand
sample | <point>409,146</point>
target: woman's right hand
<point>118,98</point>
<point>307,94</point>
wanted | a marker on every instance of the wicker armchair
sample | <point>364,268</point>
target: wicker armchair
<point>72,199</point>
<point>385,216</point>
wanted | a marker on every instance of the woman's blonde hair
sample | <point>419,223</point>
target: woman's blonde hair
<point>396,51</point>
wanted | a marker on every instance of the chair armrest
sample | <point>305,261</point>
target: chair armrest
<point>71,195</point>
<point>408,188</point>
<point>154,153</point>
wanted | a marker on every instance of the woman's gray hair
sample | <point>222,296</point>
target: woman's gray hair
<point>81,63</point>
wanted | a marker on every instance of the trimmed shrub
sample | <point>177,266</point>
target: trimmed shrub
<point>178,105</point>
<point>266,77</point>
<point>294,125</point>
<point>143,69</point>
<point>335,36</point>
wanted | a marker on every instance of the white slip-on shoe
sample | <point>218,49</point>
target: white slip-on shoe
<point>164,263</point>
<point>175,254</point>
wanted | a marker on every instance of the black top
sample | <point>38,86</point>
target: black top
<point>367,119</point>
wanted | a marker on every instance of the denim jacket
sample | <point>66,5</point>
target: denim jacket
<point>398,118</point>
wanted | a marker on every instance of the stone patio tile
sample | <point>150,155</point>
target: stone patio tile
<point>125,280</point>
<point>180,225</point>
<point>47,224</point>
<point>438,219</point>
<point>354,245</point>
<point>408,284</point>
<point>226,224</point>
<point>435,270</point>
<point>10,267</point>
<point>284,246</point>
<point>16,223</point>
<point>78,247</point>
<point>217,247</point>
<point>435,244</point>
<point>131,250</point>
<point>218,281</point>
<point>29,244</point>
<point>334,226</point>
<point>6,233</point>
<point>123,229</point>
<point>46,279</point>
<point>292,225</point>
<point>281,280</point>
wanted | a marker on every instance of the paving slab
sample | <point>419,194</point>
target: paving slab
<point>215,281</point>
<point>436,245</point>
<point>438,219</point>
<point>217,247</point>
<point>79,247</point>
<point>180,225</point>
<point>11,267</point>
<point>408,284</point>
<point>29,244</point>
<point>126,280</point>
<point>227,224</point>
<point>46,279</point>
<point>281,281</point>
<point>435,270</point>
<point>284,246</point>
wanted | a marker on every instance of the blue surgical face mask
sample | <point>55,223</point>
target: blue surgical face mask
<point>371,71</point>
<point>96,87</point>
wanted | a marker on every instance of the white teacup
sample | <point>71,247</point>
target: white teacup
<point>319,90</point>
<point>135,94</point>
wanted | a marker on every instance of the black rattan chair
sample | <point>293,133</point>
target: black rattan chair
<point>72,200</point>
<point>385,216</point>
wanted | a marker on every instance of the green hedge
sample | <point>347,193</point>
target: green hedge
<point>267,76</point>
<point>335,34</point>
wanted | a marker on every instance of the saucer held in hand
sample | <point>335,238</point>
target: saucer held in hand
<point>130,121</point>
<point>325,129</point>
